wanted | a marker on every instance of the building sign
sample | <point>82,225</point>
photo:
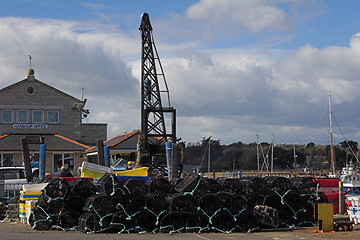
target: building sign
<point>30,126</point>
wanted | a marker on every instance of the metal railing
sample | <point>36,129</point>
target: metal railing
<point>9,190</point>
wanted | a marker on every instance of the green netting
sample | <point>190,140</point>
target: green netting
<point>199,205</point>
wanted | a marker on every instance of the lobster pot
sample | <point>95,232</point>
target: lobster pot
<point>99,204</point>
<point>136,186</point>
<point>131,204</point>
<point>110,185</point>
<point>83,187</point>
<point>181,203</point>
<point>233,202</point>
<point>209,204</point>
<point>268,217</point>
<point>254,186</point>
<point>160,186</point>
<point>68,220</point>
<point>74,202</point>
<point>246,221</point>
<point>277,183</point>
<point>222,221</point>
<point>304,185</point>
<point>92,223</point>
<point>231,185</point>
<point>156,204</point>
<point>197,186</point>
<point>147,222</point>
<point>189,184</point>
<point>40,219</point>
<point>120,222</point>
<point>57,188</point>
<point>50,206</point>
<point>172,222</point>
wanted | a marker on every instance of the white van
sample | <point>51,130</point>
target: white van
<point>14,177</point>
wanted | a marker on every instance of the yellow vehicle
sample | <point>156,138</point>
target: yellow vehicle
<point>93,170</point>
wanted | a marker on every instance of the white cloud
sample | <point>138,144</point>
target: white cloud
<point>355,43</point>
<point>253,15</point>
<point>310,72</point>
<point>71,56</point>
<point>230,94</point>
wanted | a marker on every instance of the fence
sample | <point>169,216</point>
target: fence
<point>9,189</point>
<point>239,174</point>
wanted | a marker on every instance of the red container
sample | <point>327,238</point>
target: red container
<point>334,199</point>
<point>73,179</point>
<point>328,185</point>
<point>328,182</point>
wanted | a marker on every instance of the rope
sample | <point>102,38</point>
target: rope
<point>285,203</point>
<point>75,228</point>
<point>48,217</point>
<point>192,192</point>
<point>50,198</point>
<point>114,187</point>
<point>128,216</point>
<point>157,216</point>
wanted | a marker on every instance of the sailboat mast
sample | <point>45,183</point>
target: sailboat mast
<point>295,156</point>
<point>272,155</point>
<point>331,138</point>
<point>257,153</point>
<point>209,157</point>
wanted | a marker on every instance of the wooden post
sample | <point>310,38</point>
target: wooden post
<point>26,159</point>
<point>100,150</point>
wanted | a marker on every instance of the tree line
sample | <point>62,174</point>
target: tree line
<point>240,156</point>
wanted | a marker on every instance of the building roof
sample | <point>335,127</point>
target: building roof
<point>124,142</point>
<point>40,83</point>
<point>54,142</point>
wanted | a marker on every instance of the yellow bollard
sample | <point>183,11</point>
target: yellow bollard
<point>326,216</point>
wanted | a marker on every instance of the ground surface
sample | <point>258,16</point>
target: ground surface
<point>18,231</point>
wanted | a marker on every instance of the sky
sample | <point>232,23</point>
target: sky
<point>235,68</point>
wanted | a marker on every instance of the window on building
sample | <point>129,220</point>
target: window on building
<point>38,116</point>
<point>7,159</point>
<point>6,116</point>
<point>66,159</point>
<point>22,116</point>
<point>53,116</point>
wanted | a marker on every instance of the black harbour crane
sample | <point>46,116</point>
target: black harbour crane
<point>153,111</point>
